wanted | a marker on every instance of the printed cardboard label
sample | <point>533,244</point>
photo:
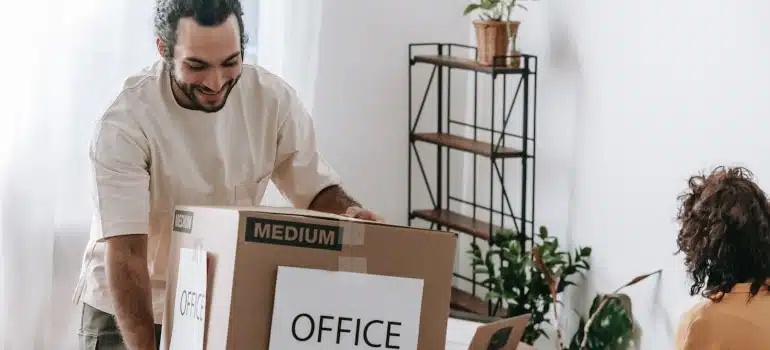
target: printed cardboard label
<point>190,305</point>
<point>183,221</point>
<point>290,233</point>
<point>320,310</point>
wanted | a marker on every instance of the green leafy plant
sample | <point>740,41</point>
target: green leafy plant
<point>493,10</point>
<point>518,285</point>
<point>494,23</point>
<point>613,331</point>
<point>522,281</point>
<point>610,324</point>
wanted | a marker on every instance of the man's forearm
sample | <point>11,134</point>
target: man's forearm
<point>333,199</point>
<point>129,283</point>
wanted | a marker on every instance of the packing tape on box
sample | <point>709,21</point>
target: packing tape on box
<point>352,264</point>
<point>352,233</point>
<point>200,254</point>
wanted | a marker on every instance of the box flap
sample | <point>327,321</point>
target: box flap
<point>484,334</point>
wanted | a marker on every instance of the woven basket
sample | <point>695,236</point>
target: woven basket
<point>492,40</point>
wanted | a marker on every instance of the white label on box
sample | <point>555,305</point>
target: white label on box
<point>319,309</point>
<point>190,304</point>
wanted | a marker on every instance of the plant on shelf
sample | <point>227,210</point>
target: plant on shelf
<point>516,284</point>
<point>496,33</point>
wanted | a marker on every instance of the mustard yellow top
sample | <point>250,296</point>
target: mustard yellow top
<point>733,323</point>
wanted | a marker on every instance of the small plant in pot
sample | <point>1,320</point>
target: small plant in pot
<point>496,33</point>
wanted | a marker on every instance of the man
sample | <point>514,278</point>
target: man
<point>725,236</point>
<point>199,127</point>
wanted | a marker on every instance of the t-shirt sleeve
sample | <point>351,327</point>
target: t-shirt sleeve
<point>119,157</point>
<point>300,171</point>
<point>698,330</point>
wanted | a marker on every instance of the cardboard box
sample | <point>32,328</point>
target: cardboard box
<point>246,247</point>
<point>467,334</point>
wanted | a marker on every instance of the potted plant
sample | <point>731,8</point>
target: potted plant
<point>531,282</point>
<point>496,33</point>
<point>518,285</point>
<point>610,323</point>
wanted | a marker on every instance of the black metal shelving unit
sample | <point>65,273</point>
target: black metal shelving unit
<point>445,59</point>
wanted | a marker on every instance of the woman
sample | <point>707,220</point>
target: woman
<point>725,237</point>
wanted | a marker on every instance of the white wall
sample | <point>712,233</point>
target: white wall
<point>360,108</point>
<point>633,98</point>
<point>637,96</point>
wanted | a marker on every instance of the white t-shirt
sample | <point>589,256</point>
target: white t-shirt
<point>149,154</point>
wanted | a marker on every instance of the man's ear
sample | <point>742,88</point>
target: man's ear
<point>162,49</point>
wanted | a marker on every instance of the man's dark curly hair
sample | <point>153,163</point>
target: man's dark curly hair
<point>724,232</point>
<point>204,12</point>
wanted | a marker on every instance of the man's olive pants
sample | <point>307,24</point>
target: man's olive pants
<point>99,331</point>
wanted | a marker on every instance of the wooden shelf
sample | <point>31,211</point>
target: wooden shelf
<point>474,306</point>
<point>468,64</point>
<point>458,222</point>
<point>464,301</point>
<point>468,145</point>
<point>471,316</point>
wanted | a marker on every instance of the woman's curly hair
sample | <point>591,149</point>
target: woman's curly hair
<point>724,232</point>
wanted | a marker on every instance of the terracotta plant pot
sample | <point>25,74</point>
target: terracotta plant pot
<point>492,40</point>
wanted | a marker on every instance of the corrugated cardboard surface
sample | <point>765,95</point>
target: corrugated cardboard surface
<point>244,272</point>
<point>220,242</point>
<point>460,335</point>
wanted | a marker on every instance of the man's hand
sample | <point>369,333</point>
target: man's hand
<point>363,214</point>
<point>129,282</point>
<point>334,200</point>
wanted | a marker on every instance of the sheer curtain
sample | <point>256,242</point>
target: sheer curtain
<point>68,61</point>
<point>64,62</point>
<point>289,35</point>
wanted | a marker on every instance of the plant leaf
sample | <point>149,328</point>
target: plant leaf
<point>585,251</point>
<point>470,8</point>
<point>625,302</point>
<point>638,279</point>
<point>543,232</point>
<point>550,279</point>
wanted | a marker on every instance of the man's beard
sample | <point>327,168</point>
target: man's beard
<point>189,91</point>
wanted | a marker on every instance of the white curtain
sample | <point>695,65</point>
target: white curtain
<point>68,63</point>
<point>289,36</point>
<point>63,64</point>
